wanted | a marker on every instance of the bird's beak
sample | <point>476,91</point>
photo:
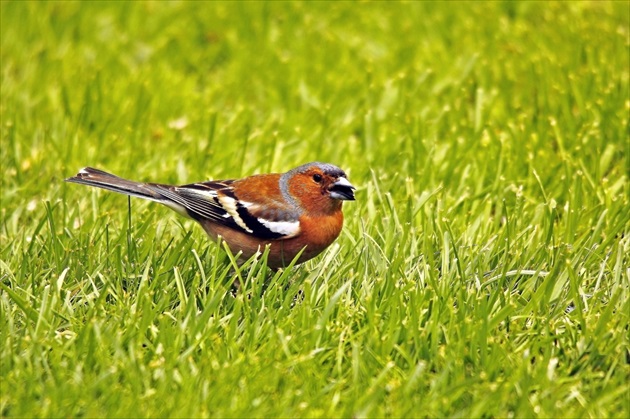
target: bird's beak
<point>342,189</point>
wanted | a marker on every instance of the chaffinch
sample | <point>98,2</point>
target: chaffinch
<point>299,209</point>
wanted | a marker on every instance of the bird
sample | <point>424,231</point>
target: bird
<point>298,212</point>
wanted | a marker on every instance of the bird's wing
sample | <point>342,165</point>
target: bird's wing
<point>265,218</point>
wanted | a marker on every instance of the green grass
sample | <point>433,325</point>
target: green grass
<point>484,269</point>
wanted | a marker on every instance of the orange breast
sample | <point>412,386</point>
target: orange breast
<point>317,234</point>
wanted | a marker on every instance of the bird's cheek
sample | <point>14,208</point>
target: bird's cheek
<point>300,190</point>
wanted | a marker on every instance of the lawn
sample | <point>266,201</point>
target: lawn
<point>483,271</point>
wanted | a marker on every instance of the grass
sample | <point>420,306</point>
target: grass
<point>484,269</point>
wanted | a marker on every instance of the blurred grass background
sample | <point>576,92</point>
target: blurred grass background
<point>482,271</point>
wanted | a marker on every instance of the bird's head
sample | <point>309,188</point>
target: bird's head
<point>318,186</point>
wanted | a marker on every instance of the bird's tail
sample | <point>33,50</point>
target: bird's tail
<point>100,179</point>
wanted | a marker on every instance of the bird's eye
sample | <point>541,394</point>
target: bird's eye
<point>317,177</point>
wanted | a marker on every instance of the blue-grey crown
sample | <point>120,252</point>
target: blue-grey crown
<point>327,168</point>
